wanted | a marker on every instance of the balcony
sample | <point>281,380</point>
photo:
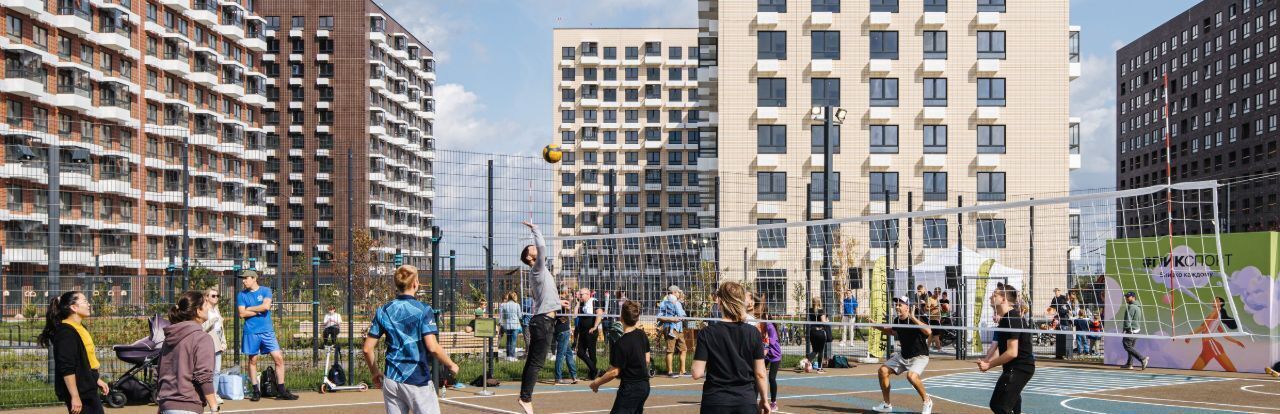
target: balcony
<point>988,160</point>
<point>988,112</point>
<point>766,18</point>
<point>988,19</point>
<point>29,83</point>
<point>767,65</point>
<point>934,66</point>
<point>176,63</point>
<point>177,4</point>
<point>74,20</point>
<point>934,19</point>
<point>77,97</point>
<point>203,11</point>
<point>115,109</point>
<point>767,112</point>
<point>935,112</point>
<point>821,19</point>
<point>113,37</point>
<point>822,65</point>
<point>1073,143</point>
<point>31,8</point>
<point>204,74</point>
<point>880,66</point>
<point>880,19</point>
<point>988,66</point>
<point>880,113</point>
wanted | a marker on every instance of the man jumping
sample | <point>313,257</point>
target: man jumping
<point>254,305</point>
<point>542,324</point>
<point>911,358</point>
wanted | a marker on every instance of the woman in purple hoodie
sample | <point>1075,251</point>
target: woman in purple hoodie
<point>772,348</point>
<point>186,361</point>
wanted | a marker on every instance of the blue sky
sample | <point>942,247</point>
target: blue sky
<point>495,64</point>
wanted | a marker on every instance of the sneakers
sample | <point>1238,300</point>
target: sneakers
<point>926,407</point>
<point>1144,362</point>
<point>254,395</point>
<point>884,407</point>
<point>285,395</point>
<point>1127,367</point>
<point>673,375</point>
<point>773,406</point>
<point>1272,372</point>
<point>564,381</point>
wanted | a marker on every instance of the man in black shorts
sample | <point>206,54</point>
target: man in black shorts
<point>1012,352</point>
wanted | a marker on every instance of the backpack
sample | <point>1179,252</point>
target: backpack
<point>479,382</point>
<point>839,361</point>
<point>267,383</point>
<point>337,375</point>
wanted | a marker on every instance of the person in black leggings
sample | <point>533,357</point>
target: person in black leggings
<point>730,355</point>
<point>818,335</point>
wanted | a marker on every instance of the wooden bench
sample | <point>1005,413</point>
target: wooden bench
<point>458,342</point>
<point>305,331</point>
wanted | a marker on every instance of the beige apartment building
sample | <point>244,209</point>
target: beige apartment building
<point>941,101</point>
<point>625,110</point>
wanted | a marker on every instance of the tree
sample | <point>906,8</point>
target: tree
<point>369,284</point>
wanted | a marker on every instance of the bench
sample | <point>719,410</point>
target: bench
<point>458,342</point>
<point>305,331</point>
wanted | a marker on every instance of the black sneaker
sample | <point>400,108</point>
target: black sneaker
<point>253,395</point>
<point>285,395</point>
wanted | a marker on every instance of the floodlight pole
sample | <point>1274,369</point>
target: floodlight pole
<point>828,153</point>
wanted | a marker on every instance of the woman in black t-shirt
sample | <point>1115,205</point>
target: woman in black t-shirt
<point>819,335</point>
<point>730,355</point>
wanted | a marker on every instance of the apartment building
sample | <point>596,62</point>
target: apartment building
<point>119,97</point>
<point>624,109</point>
<point>1221,61</point>
<point>350,106</point>
<point>937,99</point>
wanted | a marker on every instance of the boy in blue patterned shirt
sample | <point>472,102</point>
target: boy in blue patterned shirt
<point>410,328</point>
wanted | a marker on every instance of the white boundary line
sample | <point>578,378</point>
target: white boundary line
<point>1063,403</point>
<point>1246,388</point>
<point>1191,402</point>
<point>478,407</point>
<point>1161,405</point>
<point>299,407</point>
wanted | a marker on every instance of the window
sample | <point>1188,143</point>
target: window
<point>771,139</point>
<point>772,92</point>
<point>935,186</point>
<point>890,6</point>
<point>771,238</point>
<point>990,45</point>
<point>884,233</point>
<point>935,44</point>
<point>771,186</point>
<point>831,6</point>
<point>826,91</point>
<point>991,139</point>
<point>884,92</point>
<point>298,22</point>
<point>935,233</point>
<point>826,44</point>
<point>817,179</point>
<point>653,48</point>
<point>771,45</point>
<point>14,26</point>
<point>567,53</point>
<point>935,139</point>
<point>884,139</point>
<point>633,53</point>
<point>991,91</point>
<point>935,6</point>
<point>884,45</point>
<point>818,140</point>
<point>326,23</point>
<point>991,234</point>
<point>675,52</point>
<point>610,53</point>
<point>777,6</point>
<point>884,185</point>
<point>935,91</point>
<point>991,6</point>
<point>990,186</point>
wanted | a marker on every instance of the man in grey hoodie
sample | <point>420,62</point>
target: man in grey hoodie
<point>542,324</point>
<point>1132,318</point>
<point>186,360</point>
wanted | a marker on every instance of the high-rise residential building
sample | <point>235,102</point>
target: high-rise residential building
<point>624,109</point>
<point>1220,58</point>
<point>941,99</point>
<point>120,93</point>
<point>350,107</point>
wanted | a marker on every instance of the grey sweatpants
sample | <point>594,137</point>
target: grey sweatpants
<point>409,399</point>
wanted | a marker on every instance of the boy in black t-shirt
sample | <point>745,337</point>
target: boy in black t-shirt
<point>628,359</point>
<point>1012,351</point>
<point>911,358</point>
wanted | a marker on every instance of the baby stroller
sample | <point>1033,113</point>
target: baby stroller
<point>138,384</point>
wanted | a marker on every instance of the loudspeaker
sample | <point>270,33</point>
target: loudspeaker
<point>855,278</point>
<point>953,277</point>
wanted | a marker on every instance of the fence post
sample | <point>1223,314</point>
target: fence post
<point>911,276</point>
<point>1031,261</point>
<point>962,336</point>
<point>436,234</point>
<point>350,263</point>
<point>453,289</point>
<point>891,274</point>
<point>315,309</point>
<point>186,212</point>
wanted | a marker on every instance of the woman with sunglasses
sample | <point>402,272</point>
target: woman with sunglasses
<point>213,326</point>
<point>75,363</point>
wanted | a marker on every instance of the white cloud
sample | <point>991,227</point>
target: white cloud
<point>1093,101</point>
<point>428,23</point>
<point>638,13</point>
<point>462,123</point>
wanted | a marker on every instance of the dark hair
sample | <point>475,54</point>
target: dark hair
<point>630,313</point>
<point>524,252</point>
<point>1010,294</point>
<point>187,307</point>
<point>58,310</point>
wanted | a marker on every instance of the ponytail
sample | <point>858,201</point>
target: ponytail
<point>187,307</point>
<point>58,310</point>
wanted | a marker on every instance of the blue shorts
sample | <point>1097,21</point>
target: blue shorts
<point>259,343</point>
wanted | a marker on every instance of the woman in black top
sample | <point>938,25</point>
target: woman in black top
<point>730,355</point>
<point>819,335</point>
<point>75,364</point>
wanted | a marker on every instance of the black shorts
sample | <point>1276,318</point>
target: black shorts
<point>730,409</point>
<point>631,398</point>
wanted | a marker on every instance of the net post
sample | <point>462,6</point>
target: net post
<point>1031,260</point>
<point>889,261</point>
<point>958,314</point>
<point>911,276</point>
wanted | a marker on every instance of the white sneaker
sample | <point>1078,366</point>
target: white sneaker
<point>927,407</point>
<point>884,407</point>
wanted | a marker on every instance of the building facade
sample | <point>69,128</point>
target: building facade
<point>1221,60</point>
<point>940,100</point>
<point>625,109</point>
<point>125,100</point>
<point>350,106</point>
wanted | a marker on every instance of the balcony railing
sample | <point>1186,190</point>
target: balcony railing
<point>86,92</point>
<point>72,11</point>
<point>37,75</point>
